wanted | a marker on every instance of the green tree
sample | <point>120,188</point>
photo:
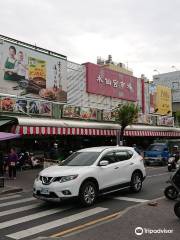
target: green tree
<point>125,114</point>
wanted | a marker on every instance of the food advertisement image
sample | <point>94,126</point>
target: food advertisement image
<point>71,112</point>
<point>88,113</point>
<point>26,72</point>
<point>7,104</point>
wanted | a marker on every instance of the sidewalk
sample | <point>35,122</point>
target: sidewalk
<point>23,182</point>
<point>146,217</point>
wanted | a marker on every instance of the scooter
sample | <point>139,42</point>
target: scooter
<point>172,191</point>
<point>177,209</point>
<point>172,165</point>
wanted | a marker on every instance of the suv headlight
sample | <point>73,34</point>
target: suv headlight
<point>68,178</point>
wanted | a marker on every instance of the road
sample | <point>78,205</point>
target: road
<point>23,217</point>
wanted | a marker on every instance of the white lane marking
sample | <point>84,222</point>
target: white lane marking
<point>9,197</point>
<point>29,217</point>
<point>20,209</point>
<point>131,199</point>
<point>156,175</point>
<point>56,223</point>
<point>17,201</point>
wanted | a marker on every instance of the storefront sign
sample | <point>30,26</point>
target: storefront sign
<point>24,71</point>
<point>106,82</point>
<point>146,119</point>
<point>108,115</point>
<point>165,121</point>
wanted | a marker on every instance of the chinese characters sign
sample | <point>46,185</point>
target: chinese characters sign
<point>110,83</point>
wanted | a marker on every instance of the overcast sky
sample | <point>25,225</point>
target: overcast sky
<point>146,34</point>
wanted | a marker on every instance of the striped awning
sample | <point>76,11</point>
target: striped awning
<point>44,130</point>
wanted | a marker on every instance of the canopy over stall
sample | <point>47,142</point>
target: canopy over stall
<point>7,136</point>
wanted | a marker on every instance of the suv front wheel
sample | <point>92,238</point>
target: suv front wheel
<point>136,182</point>
<point>88,193</point>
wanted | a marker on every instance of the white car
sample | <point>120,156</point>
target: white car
<point>90,172</point>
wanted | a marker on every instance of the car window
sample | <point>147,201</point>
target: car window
<point>81,159</point>
<point>110,157</point>
<point>123,155</point>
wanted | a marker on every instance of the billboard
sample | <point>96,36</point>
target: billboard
<point>27,72</point>
<point>106,82</point>
<point>79,112</point>
<point>160,99</point>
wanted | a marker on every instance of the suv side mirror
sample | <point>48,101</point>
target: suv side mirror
<point>103,163</point>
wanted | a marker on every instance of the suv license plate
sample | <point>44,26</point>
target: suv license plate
<point>45,191</point>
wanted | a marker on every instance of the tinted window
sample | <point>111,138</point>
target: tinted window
<point>122,156</point>
<point>81,159</point>
<point>110,157</point>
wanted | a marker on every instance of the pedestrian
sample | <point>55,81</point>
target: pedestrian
<point>12,160</point>
<point>1,163</point>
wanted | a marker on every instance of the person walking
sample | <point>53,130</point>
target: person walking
<point>12,160</point>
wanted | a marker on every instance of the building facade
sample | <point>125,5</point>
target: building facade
<point>171,80</point>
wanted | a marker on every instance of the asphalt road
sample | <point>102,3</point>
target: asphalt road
<point>23,217</point>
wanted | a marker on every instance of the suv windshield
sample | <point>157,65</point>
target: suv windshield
<point>156,148</point>
<point>81,159</point>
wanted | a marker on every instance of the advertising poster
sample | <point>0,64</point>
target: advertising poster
<point>165,121</point>
<point>106,82</point>
<point>21,106</point>
<point>45,109</point>
<point>152,98</point>
<point>163,100</point>
<point>7,104</point>
<point>26,72</point>
<point>71,111</point>
<point>108,115</point>
<point>146,119</point>
<point>88,113</point>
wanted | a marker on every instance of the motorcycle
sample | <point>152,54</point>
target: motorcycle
<point>172,164</point>
<point>177,209</point>
<point>172,191</point>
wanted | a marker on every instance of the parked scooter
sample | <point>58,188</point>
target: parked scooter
<point>172,191</point>
<point>172,164</point>
<point>177,209</point>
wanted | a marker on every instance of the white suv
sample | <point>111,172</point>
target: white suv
<point>90,172</point>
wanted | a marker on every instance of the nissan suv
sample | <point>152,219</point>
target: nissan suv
<point>91,172</point>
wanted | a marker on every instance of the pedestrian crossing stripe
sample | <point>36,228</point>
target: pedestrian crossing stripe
<point>57,223</point>
<point>17,201</point>
<point>30,217</point>
<point>9,197</point>
<point>20,209</point>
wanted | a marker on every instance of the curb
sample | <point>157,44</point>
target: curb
<point>13,190</point>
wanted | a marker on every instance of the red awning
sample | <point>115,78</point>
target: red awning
<point>40,130</point>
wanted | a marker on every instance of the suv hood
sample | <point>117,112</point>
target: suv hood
<point>58,171</point>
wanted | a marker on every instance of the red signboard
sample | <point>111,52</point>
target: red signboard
<point>106,82</point>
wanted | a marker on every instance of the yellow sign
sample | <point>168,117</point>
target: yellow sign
<point>37,68</point>
<point>163,103</point>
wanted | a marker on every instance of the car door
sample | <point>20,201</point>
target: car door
<point>125,165</point>
<point>108,175</point>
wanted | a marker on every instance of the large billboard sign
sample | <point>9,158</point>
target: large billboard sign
<point>27,72</point>
<point>106,82</point>
<point>160,99</point>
